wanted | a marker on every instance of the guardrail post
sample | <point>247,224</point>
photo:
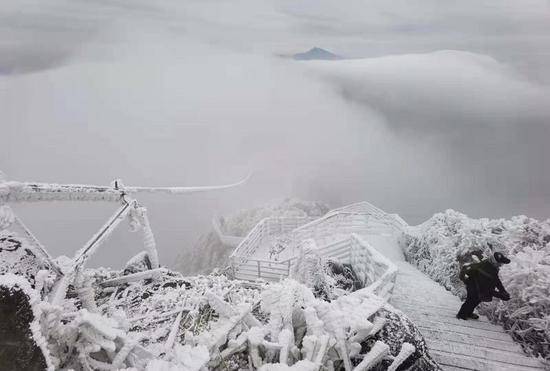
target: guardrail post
<point>259,271</point>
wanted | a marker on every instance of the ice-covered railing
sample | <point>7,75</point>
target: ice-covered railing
<point>366,208</point>
<point>337,235</point>
<point>362,218</point>
<point>251,256</point>
<point>376,272</point>
<point>263,234</point>
<point>12,192</point>
<point>271,270</point>
<point>226,239</point>
<point>359,207</point>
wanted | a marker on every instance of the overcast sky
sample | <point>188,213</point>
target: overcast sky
<point>442,105</point>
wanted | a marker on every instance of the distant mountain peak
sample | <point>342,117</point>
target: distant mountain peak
<point>316,53</point>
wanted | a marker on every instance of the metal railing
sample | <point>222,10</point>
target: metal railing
<point>13,192</point>
<point>263,233</point>
<point>376,271</point>
<point>380,271</point>
<point>337,235</point>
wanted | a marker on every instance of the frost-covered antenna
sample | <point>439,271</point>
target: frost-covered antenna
<point>13,192</point>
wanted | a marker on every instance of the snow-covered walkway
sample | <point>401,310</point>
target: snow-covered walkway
<point>455,344</point>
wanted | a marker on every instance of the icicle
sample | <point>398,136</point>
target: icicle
<point>373,357</point>
<point>369,330</point>
<point>255,338</point>
<point>223,308</point>
<point>174,331</point>
<point>407,349</point>
<point>343,353</point>
<point>123,353</point>
<point>379,323</point>
<point>308,346</point>
<point>286,340</point>
<point>149,240</point>
<point>322,349</point>
<point>234,346</point>
<point>86,293</point>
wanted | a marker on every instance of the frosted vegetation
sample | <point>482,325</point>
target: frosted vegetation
<point>160,320</point>
<point>323,317</point>
<point>438,245</point>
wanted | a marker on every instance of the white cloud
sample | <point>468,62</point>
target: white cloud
<point>172,92</point>
<point>440,89</point>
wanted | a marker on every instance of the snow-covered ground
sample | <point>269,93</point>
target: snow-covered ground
<point>328,314</point>
<point>156,319</point>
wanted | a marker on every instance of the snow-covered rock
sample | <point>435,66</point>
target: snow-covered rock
<point>18,256</point>
<point>21,340</point>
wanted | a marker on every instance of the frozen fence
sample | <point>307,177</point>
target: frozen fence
<point>361,218</point>
<point>264,233</point>
<point>377,271</point>
<point>13,192</point>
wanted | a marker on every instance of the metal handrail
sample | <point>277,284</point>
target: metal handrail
<point>321,229</point>
<point>12,191</point>
<point>260,231</point>
<point>381,284</point>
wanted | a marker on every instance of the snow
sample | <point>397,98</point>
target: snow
<point>437,245</point>
<point>188,358</point>
<point>145,318</point>
<point>19,256</point>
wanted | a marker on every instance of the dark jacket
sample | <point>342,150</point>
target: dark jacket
<point>483,278</point>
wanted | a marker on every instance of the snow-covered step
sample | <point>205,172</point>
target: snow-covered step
<point>482,323</point>
<point>455,344</point>
<point>430,305</point>
<point>485,334</point>
<point>507,358</point>
<point>438,335</point>
<point>454,361</point>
